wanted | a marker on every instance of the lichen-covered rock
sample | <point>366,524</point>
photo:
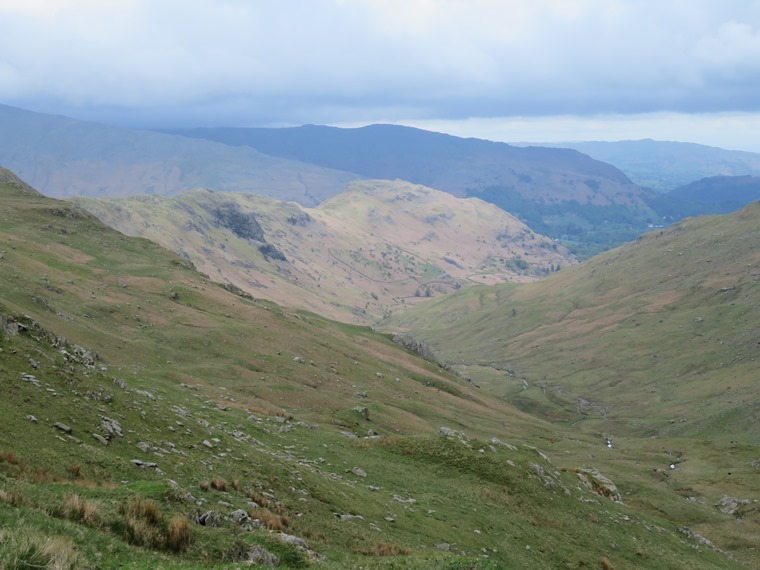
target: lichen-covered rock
<point>598,483</point>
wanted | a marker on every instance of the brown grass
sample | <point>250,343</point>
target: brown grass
<point>25,548</point>
<point>144,509</point>
<point>204,485</point>
<point>272,521</point>
<point>219,484</point>
<point>384,549</point>
<point>81,510</point>
<point>312,534</point>
<point>179,535</point>
<point>257,498</point>
<point>606,564</point>
<point>74,470</point>
<point>9,457</point>
<point>12,498</point>
<point>235,484</point>
<point>39,476</point>
<point>141,533</point>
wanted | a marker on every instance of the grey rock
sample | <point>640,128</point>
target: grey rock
<point>406,501</point>
<point>145,447</point>
<point>598,483</point>
<point>100,438</point>
<point>359,472</point>
<point>210,519</point>
<point>208,444</point>
<point>111,428</point>
<point>731,505</point>
<point>363,412</point>
<point>259,556</point>
<point>445,546</point>
<point>240,517</point>
<point>290,539</point>
<point>62,427</point>
<point>32,379</point>
<point>497,441</point>
<point>31,418</point>
<point>349,518</point>
<point>448,432</point>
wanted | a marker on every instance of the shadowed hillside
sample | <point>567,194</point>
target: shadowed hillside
<point>64,157</point>
<point>376,248</point>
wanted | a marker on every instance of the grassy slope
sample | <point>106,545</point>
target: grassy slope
<point>183,361</point>
<point>654,344</point>
<point>374,249</point>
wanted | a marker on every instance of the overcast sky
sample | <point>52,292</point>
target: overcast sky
<point>512,70</point>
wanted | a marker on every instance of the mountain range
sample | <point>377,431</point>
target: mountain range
<point>586,204</point>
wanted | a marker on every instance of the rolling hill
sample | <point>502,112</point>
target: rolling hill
<point>558,192</point>
<point>665,165</point>
<point>153,418</point>
<point>376,248</point>
<point>64,157</point>
<point>713,195</point>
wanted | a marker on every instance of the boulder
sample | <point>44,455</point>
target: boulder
<point>62,427</point>
<point>259,556</point>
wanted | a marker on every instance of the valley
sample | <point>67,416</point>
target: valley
<point>132,379</point>
<point>351,372</point>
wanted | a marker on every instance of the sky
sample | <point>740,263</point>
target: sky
<point>509,70</point>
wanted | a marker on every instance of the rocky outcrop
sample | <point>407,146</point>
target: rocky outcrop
<point>598,483</point>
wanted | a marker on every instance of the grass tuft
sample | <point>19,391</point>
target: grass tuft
<point>144,509</point>
<point>219,484</point>
<point>179,534</point>
<point>9,457</point>
<point>24,548</point>
<point>82,510</point>
<point>273,521</point>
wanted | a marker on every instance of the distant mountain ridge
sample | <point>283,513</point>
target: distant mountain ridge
<point>460,166</point>
<point>666,165</point>
<point>64,157</point>
<point>712,195</point>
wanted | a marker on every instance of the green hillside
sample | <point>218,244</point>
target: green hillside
<point>154,419</point>
<point>655,344</point>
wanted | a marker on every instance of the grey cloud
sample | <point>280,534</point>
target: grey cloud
<point>207,62</point>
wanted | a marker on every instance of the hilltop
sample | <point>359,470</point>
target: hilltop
<point>558,192</point>
<point>65,157</point>
<point>375,248</point>
<point>154,418</point>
